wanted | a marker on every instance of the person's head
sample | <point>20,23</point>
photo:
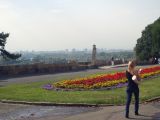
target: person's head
<point>131,65</point>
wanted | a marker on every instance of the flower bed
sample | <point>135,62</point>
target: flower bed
<point>103,81</point>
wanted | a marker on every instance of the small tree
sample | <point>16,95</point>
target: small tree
<point>3,52</point>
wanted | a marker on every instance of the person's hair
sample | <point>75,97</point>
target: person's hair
<point>131,65</point>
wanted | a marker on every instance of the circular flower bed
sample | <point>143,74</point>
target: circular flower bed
<point>103,81</point>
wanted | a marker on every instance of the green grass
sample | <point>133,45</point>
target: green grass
<point>33,92</point>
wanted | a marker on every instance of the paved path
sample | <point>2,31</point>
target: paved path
<point>150,111</point>
<point>31,112</point>
<point>115,66</point>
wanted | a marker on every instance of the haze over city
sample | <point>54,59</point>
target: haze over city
<point>47,25</point>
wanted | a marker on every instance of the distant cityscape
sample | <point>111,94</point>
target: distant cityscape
<point>64,56</point>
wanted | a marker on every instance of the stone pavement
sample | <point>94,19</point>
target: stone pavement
<point>32,112</point>
<point>115,66</point>
<point>150,111</point>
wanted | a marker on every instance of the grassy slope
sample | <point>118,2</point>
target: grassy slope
<point>34,92</point>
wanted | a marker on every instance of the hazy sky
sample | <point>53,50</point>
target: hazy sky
<point>66,24</point>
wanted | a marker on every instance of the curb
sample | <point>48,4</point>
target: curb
<point>155,99</point>
<point>49,103</point>
<point>71,104</point>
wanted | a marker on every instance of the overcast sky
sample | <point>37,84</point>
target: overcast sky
<point>66,24</point>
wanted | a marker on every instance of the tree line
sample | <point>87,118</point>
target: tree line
<point>148,45</point>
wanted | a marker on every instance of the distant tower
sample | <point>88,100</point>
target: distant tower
<point>94,52</point>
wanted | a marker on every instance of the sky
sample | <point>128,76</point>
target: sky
<point>49,25</point>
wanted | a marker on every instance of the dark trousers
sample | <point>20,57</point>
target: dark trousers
<point>129,97</point>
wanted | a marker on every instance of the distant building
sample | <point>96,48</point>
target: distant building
<point>73,50</point>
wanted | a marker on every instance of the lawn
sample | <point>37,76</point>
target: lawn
<point>33,92</point>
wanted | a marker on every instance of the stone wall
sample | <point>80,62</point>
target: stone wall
<point>39,69</point>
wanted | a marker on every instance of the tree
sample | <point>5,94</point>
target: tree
<point>148,45</point>
<point>3,52</point>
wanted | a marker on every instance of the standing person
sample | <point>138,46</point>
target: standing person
<point>112,61</point>
<point>132,88</point>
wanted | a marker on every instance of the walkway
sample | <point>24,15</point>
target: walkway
<point>150,111</point>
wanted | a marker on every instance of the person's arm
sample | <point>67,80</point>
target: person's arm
<point>134,78</point>
<point>137,73</point>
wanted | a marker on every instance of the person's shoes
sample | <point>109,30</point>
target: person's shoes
<point>136,113</point>
<point>127,116</point>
